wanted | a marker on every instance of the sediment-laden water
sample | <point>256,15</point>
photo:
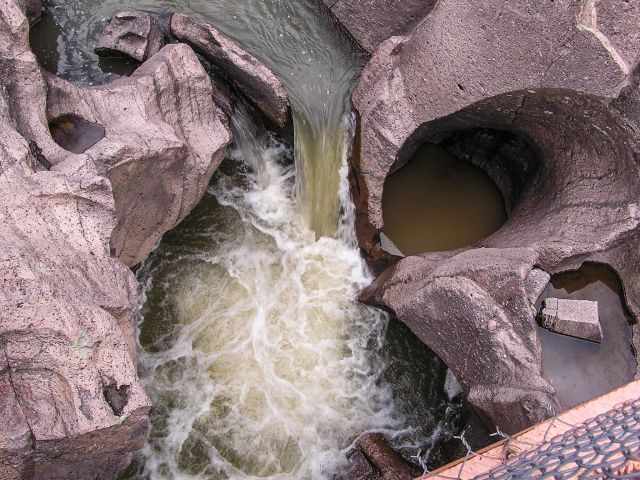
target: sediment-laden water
<point>258,359</point>
<point>438,202</point>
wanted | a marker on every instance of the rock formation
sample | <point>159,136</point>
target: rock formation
<point>370,22</point>
<point>70,398</point>
<point>161,126</point>
<point>256,81</point>
<point>576,318</point>
<point>545,74</point>
<point>134,34</point>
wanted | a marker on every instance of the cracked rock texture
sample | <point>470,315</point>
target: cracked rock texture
<point>547,72</point>
<point>134,34</point>
<point>252,78</point>
<point>370,22</point>
<point>70,398</point>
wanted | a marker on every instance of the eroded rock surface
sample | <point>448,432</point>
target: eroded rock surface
<point>71,401</point>
<point>465,68</point>
<point>134,34</point>
<point>66,306</point>
<point>164,138</point>
<point>253,78</point>
<point>370,22</point>
<point>576,318</point>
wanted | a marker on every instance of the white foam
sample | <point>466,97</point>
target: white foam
<point>279,366</point>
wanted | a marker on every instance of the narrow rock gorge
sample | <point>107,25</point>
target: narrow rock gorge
<point>315,239</point>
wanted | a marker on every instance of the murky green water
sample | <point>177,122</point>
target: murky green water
<point>438,202</point>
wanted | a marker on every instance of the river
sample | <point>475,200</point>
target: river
<point>258,359</point>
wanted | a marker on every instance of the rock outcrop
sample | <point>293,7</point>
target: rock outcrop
<point>71,401</point>
<point>164,138</point>
<point>252,78</point>
<point>133,34</point>
<point>570,179</point>
<point>370,22</point>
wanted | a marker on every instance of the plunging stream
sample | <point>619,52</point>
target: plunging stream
<point>258,359</point>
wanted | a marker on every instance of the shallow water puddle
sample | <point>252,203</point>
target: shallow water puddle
<point>580,370</point>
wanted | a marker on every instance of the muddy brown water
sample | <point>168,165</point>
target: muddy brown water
<point>580,370</point>
<point>438,202</point>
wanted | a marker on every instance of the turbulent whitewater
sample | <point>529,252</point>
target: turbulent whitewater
<point>263,361</point>
<point>258,359</point>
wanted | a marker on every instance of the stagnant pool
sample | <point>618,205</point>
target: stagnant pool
<point>438,202</point>
<point>258,360</point>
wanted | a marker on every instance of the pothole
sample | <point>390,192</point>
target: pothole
<point>453,194</point>
<point>581,370</point>
<point>438,202</point>
<point>75,134</point>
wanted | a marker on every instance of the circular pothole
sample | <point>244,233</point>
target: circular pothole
<point>438,202</point>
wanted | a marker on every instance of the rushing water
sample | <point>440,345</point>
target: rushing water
<point>258,359</point>
<point>294,37</point>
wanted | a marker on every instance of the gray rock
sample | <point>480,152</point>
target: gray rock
<point>575,199</point>
<point>451,386</point>
<point>134,34</point>
<point>158,150</point>
<point>252,77</point>
<point>576,318</point>
<point>370,22</point>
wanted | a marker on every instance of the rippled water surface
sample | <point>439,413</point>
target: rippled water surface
<point>258,360</point>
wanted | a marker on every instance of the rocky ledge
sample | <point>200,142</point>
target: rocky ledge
<point>551,86</point>
<point>138,154</point>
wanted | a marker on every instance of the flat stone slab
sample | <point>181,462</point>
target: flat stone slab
<point>576,318</point>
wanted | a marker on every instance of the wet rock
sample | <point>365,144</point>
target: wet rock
<point>256,81</point>
<point>158,150</point>
<point>576,318</point>
<point>134,34</point>
<point>374,459</point>
<point>575,201</point>
<point>370,22</point>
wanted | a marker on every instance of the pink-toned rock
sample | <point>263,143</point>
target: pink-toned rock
<point>164,137</point>
<point>370,22</point>
<point>537,78</point>
<point>134,34</point>
<point>71,401</point>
